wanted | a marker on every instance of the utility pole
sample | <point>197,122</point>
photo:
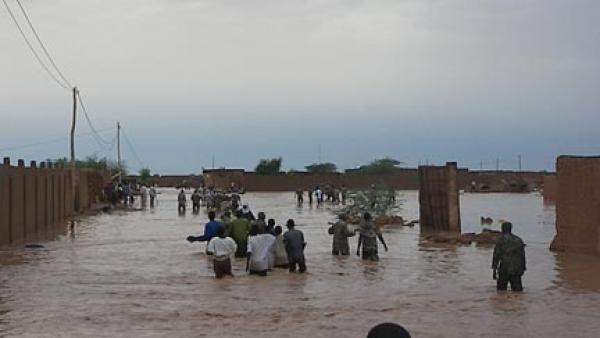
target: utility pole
<point>73,127</point>
<point>520,167</point>
<point>119,152</point>
<point>73,176</point>
<point>213,162</point>
<point>497,164</point>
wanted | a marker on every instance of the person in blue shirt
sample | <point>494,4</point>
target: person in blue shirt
<point>210,230</point>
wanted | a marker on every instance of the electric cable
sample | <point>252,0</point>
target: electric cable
<point>50,141</point>
<point>101,142</point>
<point>35,54</point>
<point>135,155</point>
<point>42,45</point>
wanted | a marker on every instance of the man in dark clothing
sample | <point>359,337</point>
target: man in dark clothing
<point>509,260</point>
<point>270,227</point>
<point>261,222</point>
<point>196,197</point>
<point>181,201</point>
<point>294,246</point>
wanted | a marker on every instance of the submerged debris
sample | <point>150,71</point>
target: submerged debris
<point>486,237</point>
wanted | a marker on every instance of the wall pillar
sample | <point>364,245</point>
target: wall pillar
<point>439,206</point>
<point>577,204</point>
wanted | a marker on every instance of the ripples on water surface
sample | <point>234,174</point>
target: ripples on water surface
<point>133,274</point>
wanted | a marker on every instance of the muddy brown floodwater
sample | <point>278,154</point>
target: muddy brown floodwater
<point>133,274</point>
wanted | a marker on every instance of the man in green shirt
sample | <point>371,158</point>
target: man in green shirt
<point>509,260</point>
<point>238,229</point>
<point>340,232</point>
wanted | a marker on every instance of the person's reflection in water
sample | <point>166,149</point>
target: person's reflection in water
<point>388,330</point>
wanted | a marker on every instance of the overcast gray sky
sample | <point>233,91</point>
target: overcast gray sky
<point>417,80</point>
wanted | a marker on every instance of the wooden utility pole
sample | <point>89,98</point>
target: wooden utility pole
<point>73,127</point>
<point>73,175</point>
<point>119,152</point>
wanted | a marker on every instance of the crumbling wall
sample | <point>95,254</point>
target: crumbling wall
<point>577,204</point>
<point>439,206</point>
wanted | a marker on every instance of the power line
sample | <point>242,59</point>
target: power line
<point>33,49</point>
<point>42,45</point>
<point>135,155</point>
<point>101,142</point>
<point>50,141</point>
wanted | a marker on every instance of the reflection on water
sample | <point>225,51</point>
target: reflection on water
<point>133,274</point>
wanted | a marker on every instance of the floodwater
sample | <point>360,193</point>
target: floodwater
<point>132,274</point>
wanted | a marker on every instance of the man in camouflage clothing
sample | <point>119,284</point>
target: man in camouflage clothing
<point>340,233</point>
<point>509,260</point>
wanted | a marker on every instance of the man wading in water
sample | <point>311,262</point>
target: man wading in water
<point>294,247</point>
<point>221,248</point>
<point>509,260</point>
<point>260,251</point>
<point>210,230</point>
<point>340,233</point>
<point>368,239</point>
<point>181,201</point>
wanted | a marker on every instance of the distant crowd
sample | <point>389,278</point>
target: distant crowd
<point>125,193</point>
<point>328,193</point>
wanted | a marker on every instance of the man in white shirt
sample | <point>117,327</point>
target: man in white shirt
<point>222,248</point>
<point>260,252</point>
<point>319,195</point>
<point>143,196</point>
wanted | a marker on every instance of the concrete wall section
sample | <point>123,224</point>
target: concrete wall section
<point>32,199</point>
<point>439,208</point>
<point>549,187</point>
<point>403,179</point>
<point>40,212</point>
<point>30,203</point>
<point>17,210</point>
<point>4,208</point>
<point>577,205</point>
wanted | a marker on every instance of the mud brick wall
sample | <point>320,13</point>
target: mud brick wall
<point>549,186</point>
<point>439,208</point>
<point>577,205</point>
<point>34,198</point>
<point>404,179</point>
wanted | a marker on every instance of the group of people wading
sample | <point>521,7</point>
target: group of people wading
<point>266,247</point>
<point>261,241</point>
<point>330,193</point>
